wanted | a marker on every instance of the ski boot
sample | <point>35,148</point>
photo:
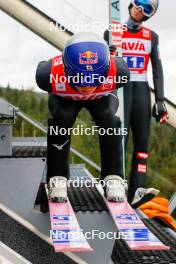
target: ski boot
<point>57,189</point>
<point>114,188</point>
<point>143,195</point>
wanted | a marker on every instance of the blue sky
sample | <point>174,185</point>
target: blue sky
<point>21,50</point>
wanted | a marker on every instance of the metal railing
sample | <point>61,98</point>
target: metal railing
<point>42,128</point>
<point>35,20</point>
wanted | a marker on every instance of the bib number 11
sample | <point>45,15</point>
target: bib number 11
<point>134,62</point>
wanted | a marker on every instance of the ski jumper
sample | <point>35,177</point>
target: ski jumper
<point>65,102</point>
<point>140,46</point>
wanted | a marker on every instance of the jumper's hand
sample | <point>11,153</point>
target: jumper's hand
<point>113,50</point>
<point>160,112</point>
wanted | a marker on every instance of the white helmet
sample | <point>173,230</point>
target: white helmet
<point>149,7</point>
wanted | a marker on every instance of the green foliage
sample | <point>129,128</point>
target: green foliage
<point>32,104</point>
<point>87,145</point>
<point>162,159</point>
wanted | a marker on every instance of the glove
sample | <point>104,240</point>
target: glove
<point>113,50</point>
<point>160,112</point>
<point>158,208</point>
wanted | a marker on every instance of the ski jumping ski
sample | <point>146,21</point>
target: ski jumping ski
<point>115,38</point>
<point>138,236</point>
<point>66,234</point>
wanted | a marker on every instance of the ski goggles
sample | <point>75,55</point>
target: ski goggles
<point>147,8</point>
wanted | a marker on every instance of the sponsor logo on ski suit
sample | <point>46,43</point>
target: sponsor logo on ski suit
<point>65,90</point>
<point>136,52</point>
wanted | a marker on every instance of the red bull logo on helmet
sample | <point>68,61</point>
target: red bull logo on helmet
<point>88,57</point>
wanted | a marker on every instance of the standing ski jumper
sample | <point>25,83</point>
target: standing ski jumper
<point>85,54</point>
<point>140,45</point>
